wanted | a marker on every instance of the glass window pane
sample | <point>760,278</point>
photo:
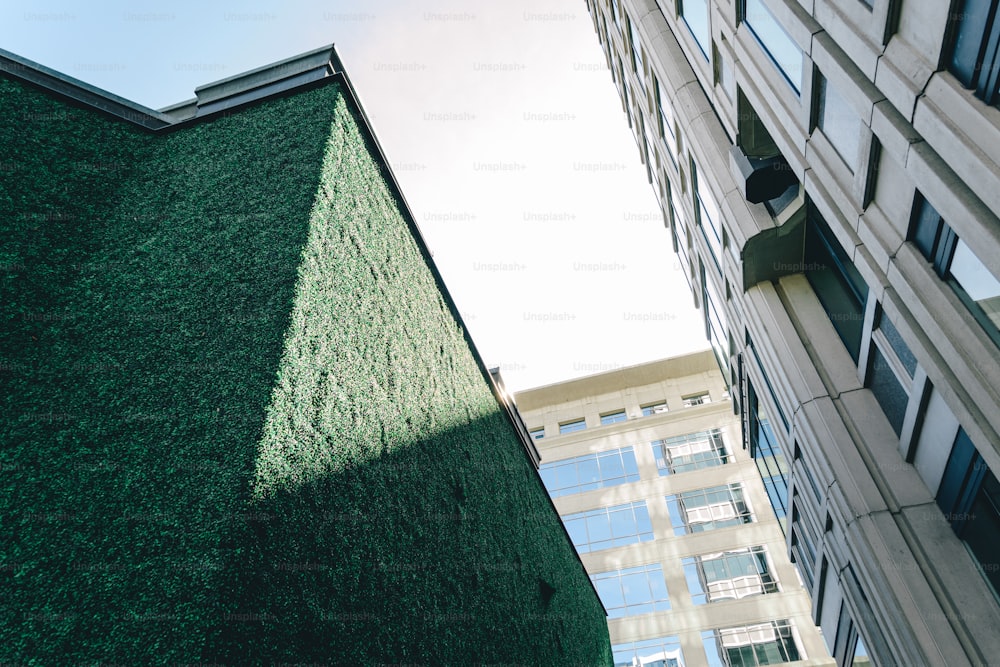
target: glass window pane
<point>611,466</point>
<point>898,345</point>
<point>666,120</point>
<point>599,527</point>
<point>566,476</point>
<point>660,652</point>
<point>840,124</point>
<point>837,283</point>
<point>642,519</point>
<point>623,522</point>
<point>631,469</point>
<point>570,427</point>
<point>890,394</point>
<point>635,587</point>
<point>979,284</point>
<point>783,50</point>
<point>926,228</point>
<point>577,529</point>
<point>695,14</point>
<point>587,470</point>
<point>966,62</point>
<point>610,590</point>
<point>613,417</point>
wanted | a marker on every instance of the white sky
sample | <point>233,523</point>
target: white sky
<point>559,260</point>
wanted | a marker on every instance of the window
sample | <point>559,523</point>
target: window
<point>660,652</point>
<point>769,643</point>
<point>724,77</point>
<point>767,381</point>
<point>608,527</point>
<point>715,322</point>
<point>730,575</point>
<point>838,285</point>
<point>813,486</point>
<point>839,123</point>
<point>694,451</point>
<point>654,408</point>
<point>803,548</point>
<point>573,426</point>
<point>889,391</point>
<point>613,417</point>
<point>707,509</point>
<point>632,591</point>
<point>589,472</point>
<point>615,14</point>
<point>707,215</point>
<point>696,399</point>
<point>974,57</point>
<point>626,92</point>
<point>695,15</point>
<point>538,433</point>
<point>895,342</point>
<point>969,496</point>
<point>767,455</point>
<point>648,156</point>
<point>666,120</point>
<point>958,265</point>
<point>636,52</point>
<point>784,52</point>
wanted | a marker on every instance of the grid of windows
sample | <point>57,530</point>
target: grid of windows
<point>695,15</point>
<point>707,509</point>
<point>769,643</point>
<point>659,652</point>
<point>730,575</point>
<point>694,451</point>
<point>784,52</point>
<point>840,124</point>
<point>573,426</point>
<point>958,265</point>
<point>608,527</point>
<point>589,472</point>
<point>631,591</point>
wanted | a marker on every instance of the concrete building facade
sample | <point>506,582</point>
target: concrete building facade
<point>647,469</point>
<point>829,173</point>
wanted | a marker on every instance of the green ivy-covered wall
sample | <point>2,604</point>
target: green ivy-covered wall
<point>240,424</point>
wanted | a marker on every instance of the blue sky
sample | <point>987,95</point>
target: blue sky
<point>505,132</point>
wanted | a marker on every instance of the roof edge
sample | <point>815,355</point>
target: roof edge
<point>211,98</point>
<point>80,91</point>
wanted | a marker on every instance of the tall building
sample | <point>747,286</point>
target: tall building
<point>647,469</point>
<point>242,421</point>
<point>828,172</point>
